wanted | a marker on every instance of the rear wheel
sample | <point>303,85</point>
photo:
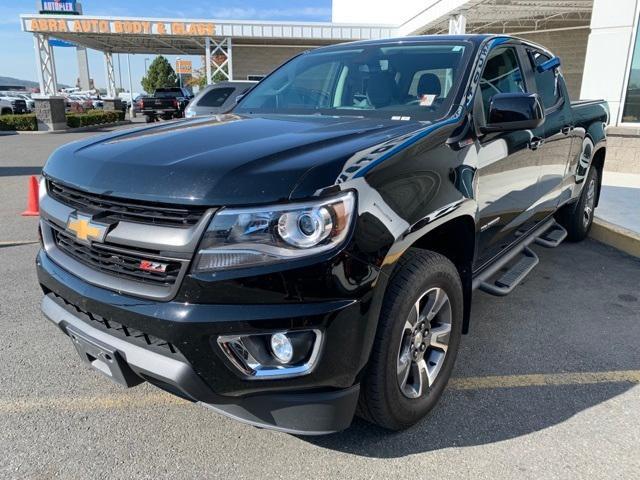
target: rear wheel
<point>577,219</point>
<point>416,342</point>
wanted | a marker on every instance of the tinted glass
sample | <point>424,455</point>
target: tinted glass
<point>167,93</point>
<point>412,81</point>
<point>215,97</point>
<point>502,74</point>
<point>547,82</point>
<point>631,109</point>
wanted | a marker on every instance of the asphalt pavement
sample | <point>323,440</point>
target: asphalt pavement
<point>546,385</point>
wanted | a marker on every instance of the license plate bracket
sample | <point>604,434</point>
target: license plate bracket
<point>103,358</point>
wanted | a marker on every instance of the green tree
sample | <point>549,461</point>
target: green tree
<point>160,75</point>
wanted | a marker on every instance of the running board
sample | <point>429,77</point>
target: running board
<point>552,237</point>
<point>513,276</point>
<point>516,272</point>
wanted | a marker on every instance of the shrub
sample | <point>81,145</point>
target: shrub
<point>94,117</point>
<point>23,123</point>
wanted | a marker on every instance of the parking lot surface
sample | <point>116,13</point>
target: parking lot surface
<point>546,385</point>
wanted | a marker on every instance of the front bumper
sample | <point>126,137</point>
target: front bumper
<point>322,402</point>
<point>300,413</point>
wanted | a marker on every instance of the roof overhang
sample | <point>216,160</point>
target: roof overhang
<point>500,16</point>
<point>187,36</point>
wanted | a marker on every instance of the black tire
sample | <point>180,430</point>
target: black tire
<point>382,400</point>
<point>6,111</point>
<point>149,119</point>
<point>577,218</point>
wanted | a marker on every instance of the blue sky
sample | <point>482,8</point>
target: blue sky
<point>17,58</point>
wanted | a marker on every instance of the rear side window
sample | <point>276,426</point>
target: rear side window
<point>502,74</point>
<point>215,97</point>
<point>547,82</point>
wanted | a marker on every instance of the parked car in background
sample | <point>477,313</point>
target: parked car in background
<point>137,105</point>
<point>166,103</point>
<point>11,104</point>
<point>30,103</point>
<point>78,103</point>
<point>97,102</point>
<point>218,98</point>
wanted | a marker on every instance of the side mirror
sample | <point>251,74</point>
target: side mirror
<point>514,111</point>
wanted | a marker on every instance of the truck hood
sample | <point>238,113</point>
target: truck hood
<point>223,160</point>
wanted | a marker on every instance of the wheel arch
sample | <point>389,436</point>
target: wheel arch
<point>455,239</point>
<point>597,162</point>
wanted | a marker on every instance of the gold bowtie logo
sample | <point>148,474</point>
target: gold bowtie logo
<point>85,229</point>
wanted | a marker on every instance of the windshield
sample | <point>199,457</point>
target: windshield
<point>405,81</point>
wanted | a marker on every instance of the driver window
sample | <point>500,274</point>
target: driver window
<point>502,74</point>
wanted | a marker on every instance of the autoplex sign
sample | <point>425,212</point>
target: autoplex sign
<point>125,27</point>
<point>59,6</point>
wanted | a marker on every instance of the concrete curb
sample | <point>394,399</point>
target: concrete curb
<point>616,236</point>
<point>71,130</point>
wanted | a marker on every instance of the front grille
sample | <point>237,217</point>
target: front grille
<point>114,209</point>
<point>116,261</point>
<point>115,328</point>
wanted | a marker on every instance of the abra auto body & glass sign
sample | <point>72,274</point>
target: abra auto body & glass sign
<point>84,24</point>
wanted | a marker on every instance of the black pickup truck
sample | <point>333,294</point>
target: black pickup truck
<point>166,103</point>
<point>313,253</point>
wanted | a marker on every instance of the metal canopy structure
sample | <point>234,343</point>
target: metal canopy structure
<point>502,16</point>
<point>213,39</point>
<point>186,36</point>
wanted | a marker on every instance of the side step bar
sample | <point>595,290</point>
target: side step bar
<point>552,237</point>
<point>549,235</point>
<point>512,277</point>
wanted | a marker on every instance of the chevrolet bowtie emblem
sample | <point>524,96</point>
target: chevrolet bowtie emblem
<point>85,229</point>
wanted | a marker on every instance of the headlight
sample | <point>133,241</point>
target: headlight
<point>245,237</point>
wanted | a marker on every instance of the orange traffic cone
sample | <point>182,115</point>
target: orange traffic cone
<point>33,208</point>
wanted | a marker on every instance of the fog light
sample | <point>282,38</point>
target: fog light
<point>281,347</point>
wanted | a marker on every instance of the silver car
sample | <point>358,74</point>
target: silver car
<point>216,98</point>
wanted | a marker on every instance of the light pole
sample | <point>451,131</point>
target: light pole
<point>179,74</point>
<point>132,113</point>
<point>145,65</point>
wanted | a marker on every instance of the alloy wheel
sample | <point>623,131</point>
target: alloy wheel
<point>424,343</point>
<point>589,204</point>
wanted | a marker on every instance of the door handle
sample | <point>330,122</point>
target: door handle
<point>567,130</point>
<point>535,143</point>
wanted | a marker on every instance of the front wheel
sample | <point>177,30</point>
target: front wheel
<point>416,342</point>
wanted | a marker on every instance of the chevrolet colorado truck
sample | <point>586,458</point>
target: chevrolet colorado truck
<point>312,254</point>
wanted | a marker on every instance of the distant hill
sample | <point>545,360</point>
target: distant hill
<point>23,83</point>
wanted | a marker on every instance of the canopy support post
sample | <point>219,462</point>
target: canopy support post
<point>112,91</point>
<point>458,24</point>
<point>207,59</point>
<point>46,65</point>
<point>229,59</point>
